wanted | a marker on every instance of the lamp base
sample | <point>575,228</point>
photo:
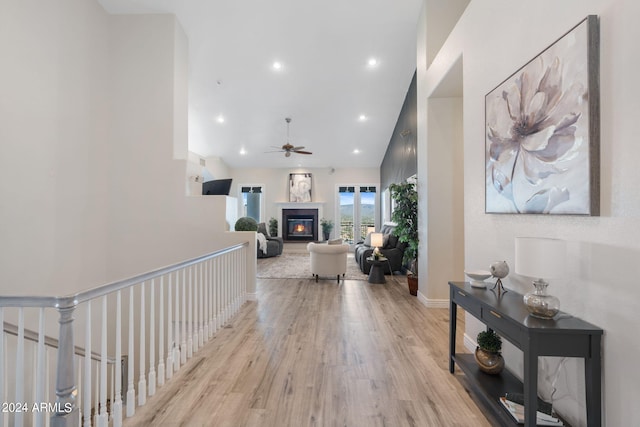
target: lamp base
<point>539,303</point>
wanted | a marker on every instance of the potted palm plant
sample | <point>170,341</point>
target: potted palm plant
<point>405,215</point>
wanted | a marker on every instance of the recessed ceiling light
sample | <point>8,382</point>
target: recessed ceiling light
<point>277,65</point>
<point>356,151</point>
<point>372,62</point>
<point>220,119</point>
<point>362,118</point>
<point>243,151</point>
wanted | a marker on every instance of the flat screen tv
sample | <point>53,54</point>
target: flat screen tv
<point>217,187</point>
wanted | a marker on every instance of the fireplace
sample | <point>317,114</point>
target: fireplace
<point>300,225</point>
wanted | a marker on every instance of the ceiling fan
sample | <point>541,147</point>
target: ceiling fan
<point>288,148</point>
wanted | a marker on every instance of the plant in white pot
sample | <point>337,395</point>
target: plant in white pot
<point>405,215</point>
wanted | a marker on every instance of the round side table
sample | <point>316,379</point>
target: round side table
<point>376,274</point>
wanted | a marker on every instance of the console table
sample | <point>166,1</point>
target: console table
<point>562,336</point>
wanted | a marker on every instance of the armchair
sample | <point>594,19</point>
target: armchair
<point>274,244</point>
<point>393,250</point>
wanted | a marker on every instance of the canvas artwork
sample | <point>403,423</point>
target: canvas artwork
<point>542,131</point>
<point>300,187</point>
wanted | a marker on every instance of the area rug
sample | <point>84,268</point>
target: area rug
<point>294,265</point>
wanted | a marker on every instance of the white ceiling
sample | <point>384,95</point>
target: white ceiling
<point>324,85</point>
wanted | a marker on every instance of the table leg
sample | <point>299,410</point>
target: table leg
<point>453,309</point>
<point>593,383</point>
<point>530,384</point>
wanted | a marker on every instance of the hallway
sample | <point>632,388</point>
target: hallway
<point>308,354</point>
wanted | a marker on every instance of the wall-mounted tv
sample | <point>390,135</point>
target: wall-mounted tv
<point>217,187</point>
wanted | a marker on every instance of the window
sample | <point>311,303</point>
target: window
<point>356,211</point>
<point>252,200</point>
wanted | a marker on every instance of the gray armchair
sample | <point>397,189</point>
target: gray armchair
<point>274,244</point>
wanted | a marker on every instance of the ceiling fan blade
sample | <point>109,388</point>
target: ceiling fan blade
<point>277,151</point>
<point>277,148</point>
<point>302,152</point>
<point>297,148</point>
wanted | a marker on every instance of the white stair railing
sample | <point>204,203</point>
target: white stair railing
<point>178,308</point>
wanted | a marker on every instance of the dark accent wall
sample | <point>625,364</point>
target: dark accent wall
<point>401,159</point>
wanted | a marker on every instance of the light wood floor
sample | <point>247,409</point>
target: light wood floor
<point>320,354</point>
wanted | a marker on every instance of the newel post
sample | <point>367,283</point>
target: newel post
<point>66,412</point>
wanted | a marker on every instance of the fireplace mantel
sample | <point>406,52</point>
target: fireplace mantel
<point>300,205</point>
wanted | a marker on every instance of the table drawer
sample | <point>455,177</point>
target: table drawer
<point>467,302</point>
<point>503,325</point>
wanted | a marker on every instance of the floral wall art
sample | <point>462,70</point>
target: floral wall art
<point>542,131</point>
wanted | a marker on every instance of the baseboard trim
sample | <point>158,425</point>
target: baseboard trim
<point>251,296</point>
<point>469,343</point>
<point>432,303</point>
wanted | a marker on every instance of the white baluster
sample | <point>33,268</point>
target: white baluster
<point>87,367</point>
<point>227,278</point>
<point>210,298</point>
<point>131,392</point>
<point>195,309</point>
<point>201,307</point>
<point>216,295</point>
<point>176,328</point>
<point>96,404</point>
<point>169,370</point>
<point>3,383</point>
<point>183,343</point>
<point>205,301</point>
<point>79,389</point>
<point>116,412</point>
<point>103,419</point>
<point>190,316</point>
<point>161,335</point>
<point>152,341</point>
<point>142,383</point>
<point>38,416</point>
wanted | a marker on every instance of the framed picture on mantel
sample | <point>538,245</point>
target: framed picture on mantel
<point>299,187</point>
<point>542,131</point>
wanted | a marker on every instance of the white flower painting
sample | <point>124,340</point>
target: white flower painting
<point>542,131</point>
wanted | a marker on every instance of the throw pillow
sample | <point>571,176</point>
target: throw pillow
<point>385,241</point>
<point>262,228</point>
<point>393,241</point>
<point>334,242</point>
<point>367,240</point>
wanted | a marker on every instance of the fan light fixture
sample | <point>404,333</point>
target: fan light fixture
<point>288,148</point>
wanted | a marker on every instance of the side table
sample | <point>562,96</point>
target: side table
<point>376,274</point>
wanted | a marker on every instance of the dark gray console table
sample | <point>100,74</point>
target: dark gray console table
<point>506,314</point>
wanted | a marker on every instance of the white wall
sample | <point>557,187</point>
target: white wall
<point>53,175</point>
<point>94,141</point>
<point>495,38</point>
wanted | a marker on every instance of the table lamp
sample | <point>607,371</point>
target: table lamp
<point>376,241</point>
<point>540,258</point>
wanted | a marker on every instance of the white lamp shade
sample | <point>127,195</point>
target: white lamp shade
<point>377,240</point>
<point>541,258</point>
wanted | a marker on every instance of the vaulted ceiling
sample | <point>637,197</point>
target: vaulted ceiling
<point>339,69</point>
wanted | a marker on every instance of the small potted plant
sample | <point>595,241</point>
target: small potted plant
<point>273,227</point>
<point>327,226</point>
<point>488,354</point>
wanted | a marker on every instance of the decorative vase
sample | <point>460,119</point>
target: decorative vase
<point>412,281</point>
<point>539,303</point>
<point>326,234</point>
<point>489,362</point>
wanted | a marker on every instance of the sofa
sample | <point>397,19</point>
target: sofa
<point>274,244</point>
<point>393,249</point>
<point>328,259</point>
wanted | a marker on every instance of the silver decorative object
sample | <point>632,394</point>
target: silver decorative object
<point>499,270</point>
